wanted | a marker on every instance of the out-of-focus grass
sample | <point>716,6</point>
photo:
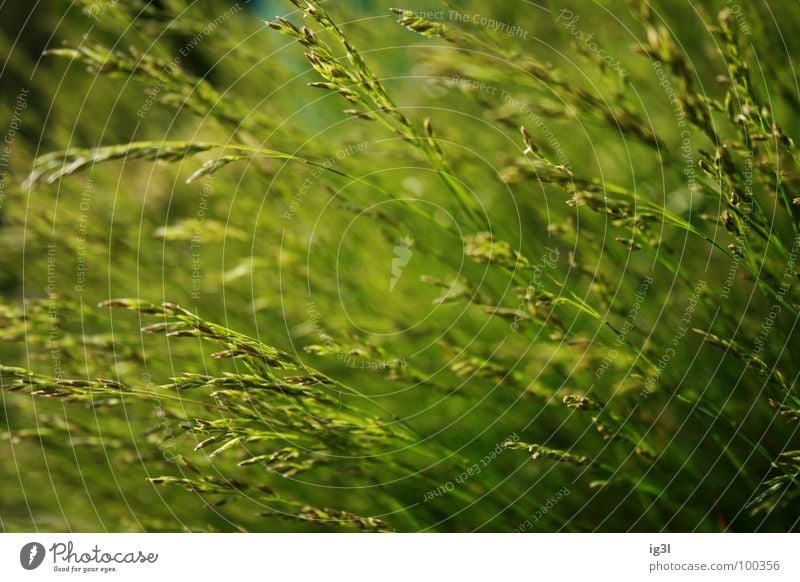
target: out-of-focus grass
<point>302,259</point>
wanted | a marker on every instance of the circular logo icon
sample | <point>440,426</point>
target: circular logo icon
<point>31,555</point>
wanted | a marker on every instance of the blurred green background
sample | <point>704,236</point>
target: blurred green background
<point>279,244</point>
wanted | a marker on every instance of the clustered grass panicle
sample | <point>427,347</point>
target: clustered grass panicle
<point>543,452</point>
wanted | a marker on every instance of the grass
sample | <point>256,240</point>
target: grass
<point>370,269</point>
